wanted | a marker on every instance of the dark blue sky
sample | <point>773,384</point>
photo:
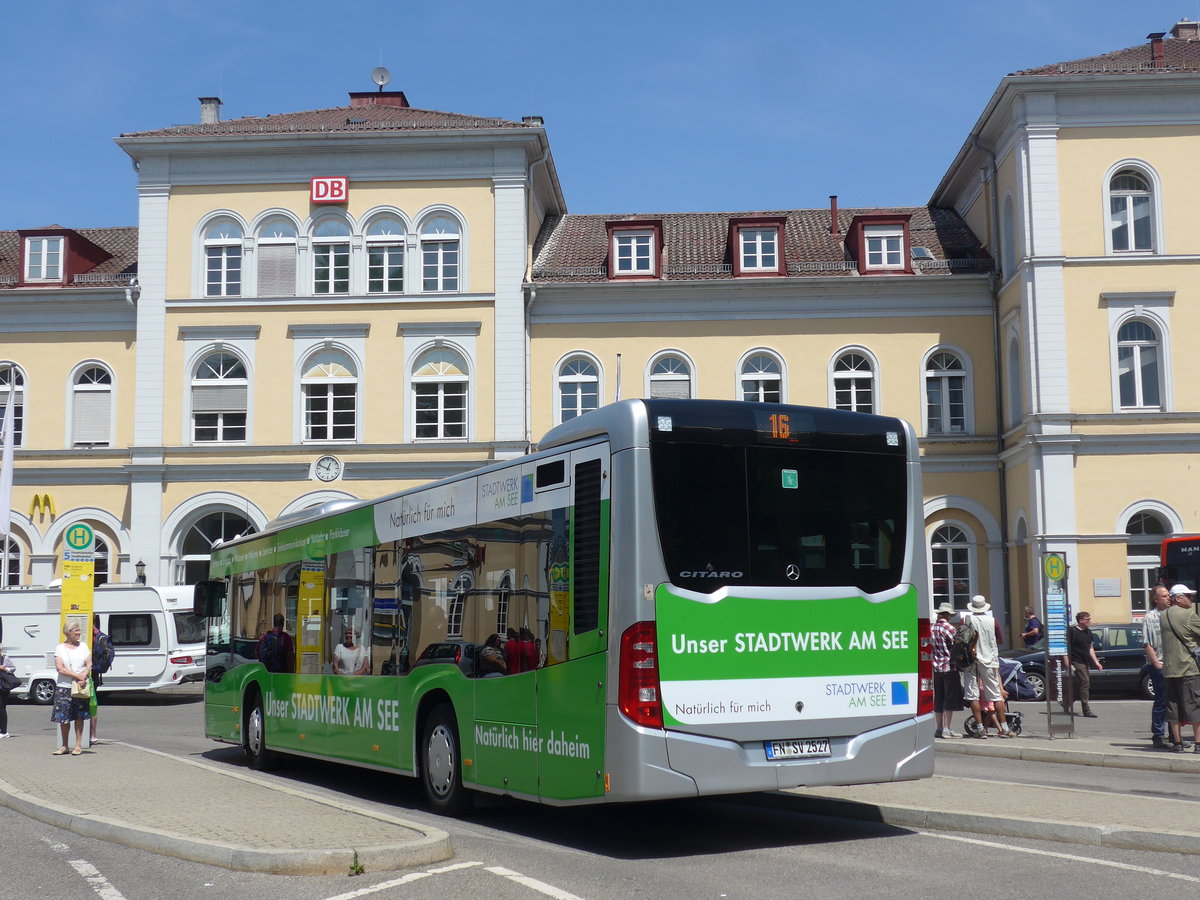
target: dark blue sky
<point>650,107</point>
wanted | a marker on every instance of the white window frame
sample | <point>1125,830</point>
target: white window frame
<point>438,243</point>
<point>13,381</point>
<point>91,389</point>
<point>562,379</point>
<point>884,244</point>
<point>1143,567</point>
<point>1138,348</point>
<point>224,381</point>
<point>1148,172</point>
<point>48,247</point>
<point>966,549</point>
<point>225,249</point>
<point>756,243</point>
<point>396,242</point>
<point>101,560</point>
<point>840,376</point>
<point>309,390</point>
<point>333,244</point>
<point>1155,309</point>
<point>943,376</point>
<point>12,556</point>
<point>669,367</point>
<point>633,251</point>
<point>442,381</point>
<point>761,376</point>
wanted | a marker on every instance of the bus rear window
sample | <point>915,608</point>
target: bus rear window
<point>779,516</point>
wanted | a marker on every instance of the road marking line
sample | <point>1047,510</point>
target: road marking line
<point>1112,864</point>
<point>92,876</point>
<point>404,879</point>
<point>55,845</point>
<point>540,886</point>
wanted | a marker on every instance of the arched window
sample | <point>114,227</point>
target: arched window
<point>439,254</point>
<point>219,399</point>
<point>952,566</point>
<point>385,255</point>
<point>578,388</point>
<point>945,394</point>
<point>100,561</point>
<point>459,592</point>
<point>854,383</point>
<point>762,379</point>
<point>12,391</point>
<point>91,407</point>
<point>503,595</point>
<point>439,385</point>
<point>223,259</point>
<point>10,560</point>
<point>671,376</point>
<point>198,539</point>
<point>1138,371</point>
<point>277,258</point>
<point>331,256</point>
<point>330,389</point>
<point>1131,212</point>
<point>1146,532</point>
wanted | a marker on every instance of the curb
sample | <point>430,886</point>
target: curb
<point>432,846</point>
<point>1038,829</point>
<point>1157,762</point>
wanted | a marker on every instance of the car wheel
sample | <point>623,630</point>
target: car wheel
<point>441,772</point>
<point>1147,686</point>
<point>42,691</point>
<point>1038,682</point>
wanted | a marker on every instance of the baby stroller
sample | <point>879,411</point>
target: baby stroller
<point>1014,681</point>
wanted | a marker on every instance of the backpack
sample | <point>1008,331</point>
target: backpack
<point>103,654</point>
<point>962,650</point>
<point>270,652</point>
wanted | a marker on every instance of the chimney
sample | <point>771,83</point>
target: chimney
<point>1186,30</point>
<point>379,98</point>
<point>1156,48</point>
<point>210,110</point>
<point>535,121</point>
<point>833,216</point>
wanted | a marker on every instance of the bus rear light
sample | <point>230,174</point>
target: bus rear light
<point>924,667</point>
<point>637,684</point>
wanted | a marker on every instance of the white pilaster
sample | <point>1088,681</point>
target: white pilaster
<point>512,249</point>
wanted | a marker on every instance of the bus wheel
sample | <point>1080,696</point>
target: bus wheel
<point>254,743</point>
<point>441,772</point>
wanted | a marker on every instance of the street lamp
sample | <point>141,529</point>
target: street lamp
<point>140,568</point>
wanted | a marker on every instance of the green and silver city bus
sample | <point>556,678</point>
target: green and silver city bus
<point>669,598</point>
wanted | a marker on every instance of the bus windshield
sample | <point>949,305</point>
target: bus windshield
<point>779,516</point>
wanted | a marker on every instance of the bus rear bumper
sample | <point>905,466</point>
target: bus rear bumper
<point>900,751</point>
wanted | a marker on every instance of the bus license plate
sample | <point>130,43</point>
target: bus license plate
<point>806,748</point>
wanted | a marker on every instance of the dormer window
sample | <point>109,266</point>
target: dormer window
<point>634,249</point>
<point>885,246</point>
<point>756,246</point>
<point>43,259</point>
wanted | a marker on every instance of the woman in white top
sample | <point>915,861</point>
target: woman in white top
<point>73,660</point>
<point>350,658</point>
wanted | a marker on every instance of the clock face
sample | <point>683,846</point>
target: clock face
<point>328,468</point>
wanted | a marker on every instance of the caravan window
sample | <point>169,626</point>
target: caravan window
<point>135,630</point>
<point>189,629</point>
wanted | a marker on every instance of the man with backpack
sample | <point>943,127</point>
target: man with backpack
<point>982,668</point>
<point>275,649</point>
<point>103,655</point>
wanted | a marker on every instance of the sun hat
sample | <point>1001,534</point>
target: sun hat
<point>946,607</point>
<point>1181,589</point>
<point>979,604</point>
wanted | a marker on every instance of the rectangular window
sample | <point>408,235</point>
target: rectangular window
<point>439,266</point>
<point>885,246</point>
<point>218,427</point>
<point>224,272</point>
<point>329,412</point>
<point>90,418</point>
<point>385,269</point>
<point>633,252</point>
<point>853,394</point>
<point>946,405</point>
<point>331,269</point>
<point>759,249</point>
<point>276,270</point>
<point>43,259</point>
<point>441,410</point>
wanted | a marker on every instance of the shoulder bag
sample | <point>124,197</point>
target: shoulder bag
<point>81,691</point>
<point>8,681</point>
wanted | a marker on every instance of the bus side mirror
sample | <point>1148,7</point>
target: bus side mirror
<point>208,599</point>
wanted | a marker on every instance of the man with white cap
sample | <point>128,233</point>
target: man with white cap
<point>985,670</point>
<point>1180,635</point>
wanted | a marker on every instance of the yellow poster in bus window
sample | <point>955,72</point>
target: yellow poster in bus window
<point>78,571</point>
<point>310,614</point>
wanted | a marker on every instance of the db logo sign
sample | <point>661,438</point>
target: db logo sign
<point>329,189</point>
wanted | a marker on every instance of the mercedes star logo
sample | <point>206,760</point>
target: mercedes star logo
<point>793,572</point>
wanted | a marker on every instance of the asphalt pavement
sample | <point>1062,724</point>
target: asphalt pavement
<point>279,829</point>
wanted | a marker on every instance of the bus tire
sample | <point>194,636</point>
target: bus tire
<point>441,762</point>
<point>254,733</point>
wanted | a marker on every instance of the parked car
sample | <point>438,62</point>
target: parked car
<point>1119,648</point>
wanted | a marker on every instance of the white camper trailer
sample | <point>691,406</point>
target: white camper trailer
<point>158,642</point>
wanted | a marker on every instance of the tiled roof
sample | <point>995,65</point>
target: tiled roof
<point>121,243</point>
<point>338,119</point>
<point>1177,56</point>
<point>574,248</point>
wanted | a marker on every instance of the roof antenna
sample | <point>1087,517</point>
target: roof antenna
<point>381,76</point>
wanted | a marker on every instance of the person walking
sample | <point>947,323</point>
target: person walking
<point>1160,599</point>
<point>1083,653</point>
<point>947,689</point>
<point>1180,635</point>
<point>1033,628</point>
<point>983,675</point>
